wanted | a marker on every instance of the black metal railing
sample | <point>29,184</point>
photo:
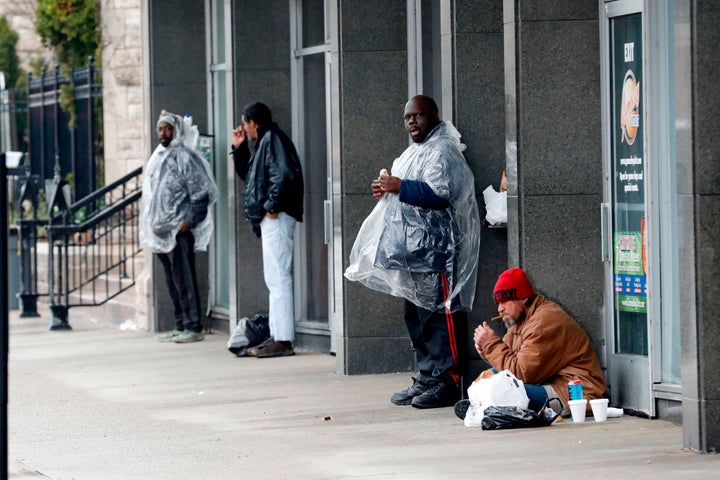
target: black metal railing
<point>91,246</point>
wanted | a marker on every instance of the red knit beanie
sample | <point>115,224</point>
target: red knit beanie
<point>513,284</point>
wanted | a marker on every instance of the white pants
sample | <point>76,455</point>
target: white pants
<point>277,251</point>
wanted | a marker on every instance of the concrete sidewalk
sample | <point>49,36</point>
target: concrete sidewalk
<point>100,403</point>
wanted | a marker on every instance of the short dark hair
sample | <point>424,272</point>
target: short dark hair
<point>258,112</point>
<point>425,101</point>
<point>431,102</point>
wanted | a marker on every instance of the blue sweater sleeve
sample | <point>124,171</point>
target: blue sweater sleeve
<point>421,195</point>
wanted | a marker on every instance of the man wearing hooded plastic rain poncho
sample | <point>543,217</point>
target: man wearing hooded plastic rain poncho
<point>175,219</point>
<point>421,243</point>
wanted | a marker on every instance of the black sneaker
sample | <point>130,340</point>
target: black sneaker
<point>406,396</point>
<point>461,408</point>
<point>437,396</point>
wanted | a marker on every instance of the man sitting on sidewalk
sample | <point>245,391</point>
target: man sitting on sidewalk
<point>544,347</point>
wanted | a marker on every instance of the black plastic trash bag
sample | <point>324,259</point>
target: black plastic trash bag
<point>249,333</point>
<point>262,322</point>
<point>502,418</point>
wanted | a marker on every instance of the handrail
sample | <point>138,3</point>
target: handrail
<point>101,192</point>
<point>101,215</point>
<point>89,261</point>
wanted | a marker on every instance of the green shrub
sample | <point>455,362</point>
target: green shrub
<point>70,28</point>
<point>9,61</point>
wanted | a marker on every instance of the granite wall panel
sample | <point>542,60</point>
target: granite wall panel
<point>374,93</point>
<point>261,39</point>
<point>559,108</point>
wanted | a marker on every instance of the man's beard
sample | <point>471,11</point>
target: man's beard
<point>514,321</point>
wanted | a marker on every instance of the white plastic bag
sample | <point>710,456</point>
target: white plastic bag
<point>495,205</point>
<point>501,390</point>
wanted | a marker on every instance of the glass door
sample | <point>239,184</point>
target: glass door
<point>626,243</point>
<point>219,97</point>
<point>310,126</point>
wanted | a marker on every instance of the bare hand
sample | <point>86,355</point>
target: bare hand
<point>238,136</point>
<point>184,228</point>
<point>385,184</point>
<point>482,334</point>
<point>376,189</point>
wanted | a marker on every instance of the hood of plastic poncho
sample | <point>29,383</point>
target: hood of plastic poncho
<point>405,251</point>
<point>171,177</point>
<point>183,134</point>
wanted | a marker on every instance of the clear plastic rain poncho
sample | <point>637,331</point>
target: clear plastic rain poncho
<point>402,249</point>
<point>173,177</point>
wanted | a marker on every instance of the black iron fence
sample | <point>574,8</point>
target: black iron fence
<point>90,233</point>
<point>64,128</point>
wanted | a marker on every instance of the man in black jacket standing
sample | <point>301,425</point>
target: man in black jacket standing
<point>273,203</point>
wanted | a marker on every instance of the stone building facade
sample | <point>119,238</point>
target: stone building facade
<point>21,17</point>
<point>126,141</point>
<point>125,118</point>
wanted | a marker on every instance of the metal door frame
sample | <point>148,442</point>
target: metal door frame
<point>298,52</point>
<point>224,170</point>
<point>630,377</point>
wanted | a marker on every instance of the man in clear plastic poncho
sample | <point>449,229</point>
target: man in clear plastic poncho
<point>421,243</point>
<point>175,219</point>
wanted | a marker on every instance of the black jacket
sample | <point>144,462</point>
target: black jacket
<point>272,174</point>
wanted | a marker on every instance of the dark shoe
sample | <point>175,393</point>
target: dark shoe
<point>461,408</point>
<point>437,396</point>
<point>406,396</point>
<point>253,350</point>
<point>274,349</point>
<point>188,336</point>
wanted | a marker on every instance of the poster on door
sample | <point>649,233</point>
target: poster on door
<point>629,265</point>
<point>630,289</point>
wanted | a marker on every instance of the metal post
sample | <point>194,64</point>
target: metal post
<point>43,153</point>
<point>91,125</point>
<point>59,317</point>
<point>4,330</point>
<point>59,311</point>
<point>57,123</point>
<point>28,247</point>
<point>28,270</point>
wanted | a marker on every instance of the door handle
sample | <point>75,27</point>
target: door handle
<point>604,231</point>
<point>327,221</point>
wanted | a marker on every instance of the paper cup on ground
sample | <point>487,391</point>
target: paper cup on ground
<point>577,408</point>
<point>599,409</point>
